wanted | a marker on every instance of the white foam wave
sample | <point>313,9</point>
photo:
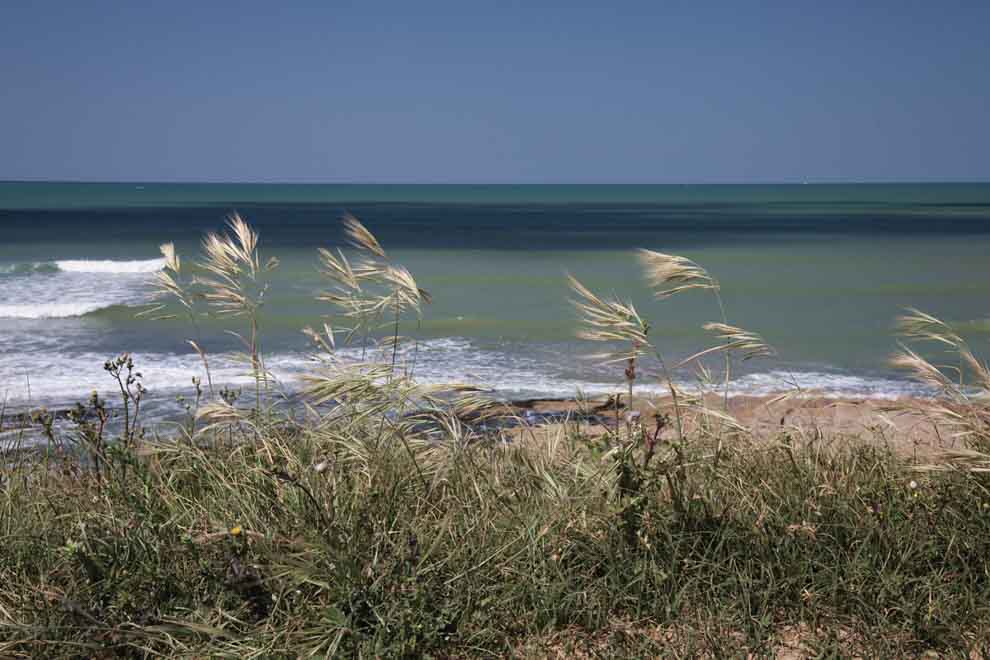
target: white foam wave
<point>53,378</point>
<point>49,310</point>
<point>110,266</point>
<point>514,383</point>
<point>70,288</point>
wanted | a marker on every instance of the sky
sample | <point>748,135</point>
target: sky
<point>500,92</point>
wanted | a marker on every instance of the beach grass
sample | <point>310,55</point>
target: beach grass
<point>386,518</point>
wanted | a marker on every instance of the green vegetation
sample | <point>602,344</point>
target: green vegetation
<point>384,520</point>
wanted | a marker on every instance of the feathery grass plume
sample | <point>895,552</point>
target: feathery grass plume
<point>221,413</point>
<point>361,238</point>
<point>235,286</point>
<point>670,274</point>
<point>372,287</point>
<point>922,370</point>
<point>170,283</point>
<point>475,405</point>
<point>610,320</point>
<point>962,404</point>
<point>460,413</point>
<point>749,344</point>
<point>407,293</point>
<point>338,268</point>
<point>919,326</point>
<point>342,384</point>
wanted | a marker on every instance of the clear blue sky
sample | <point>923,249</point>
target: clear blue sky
<point>467,91</point>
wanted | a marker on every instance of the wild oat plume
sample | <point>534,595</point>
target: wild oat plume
<point>670,274</point>
<point>372,291</point>
<point>609,320</point>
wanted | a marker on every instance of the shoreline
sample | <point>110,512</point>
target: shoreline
<point>884,421</point>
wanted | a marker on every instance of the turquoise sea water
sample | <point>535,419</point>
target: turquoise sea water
<point>820,270</point>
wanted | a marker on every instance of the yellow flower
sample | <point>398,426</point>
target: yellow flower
<point>236,531</point>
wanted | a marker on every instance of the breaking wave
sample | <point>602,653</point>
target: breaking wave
<point>57,310</point>
<point>73,287</point>
<point>109,266</point>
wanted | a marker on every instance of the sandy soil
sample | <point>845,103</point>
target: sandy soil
<point>887,422</point>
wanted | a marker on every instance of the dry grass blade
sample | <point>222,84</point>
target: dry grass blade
<point>357,382</point>
<point>168,285</point>
<point>232,264</point>
<point>172,261</point>
<point>969,460</point>
<point>750,344</point>
<point>220,413</point>
<point>961,407</point>
<point>336,267</point>
<point>407,293</point>
<point>476,406</point>
<point>609,320</point>
<point>245,248</point>
<point>921,326</point>
<point>371,287</point>
<point>325,341</point>
<point>670,274</point>
<point>361,238</point>
<point>728,421</point>
<point>921,369</point>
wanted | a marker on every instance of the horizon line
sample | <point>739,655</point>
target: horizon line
<point>768,182</point>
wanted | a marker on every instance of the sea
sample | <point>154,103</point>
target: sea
<point>820,271</point>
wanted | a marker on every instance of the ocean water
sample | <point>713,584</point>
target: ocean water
<point>821,271</point>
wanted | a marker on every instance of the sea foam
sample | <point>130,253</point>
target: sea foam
<point>73,287</point>
<point>110,266</point>
<point>57,310</point>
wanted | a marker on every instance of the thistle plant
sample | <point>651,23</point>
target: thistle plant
<point>132,391</point>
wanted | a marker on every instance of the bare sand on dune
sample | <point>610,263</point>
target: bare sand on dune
<point>897,424</point>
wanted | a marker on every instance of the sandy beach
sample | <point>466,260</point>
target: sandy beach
<point>893,423</point>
